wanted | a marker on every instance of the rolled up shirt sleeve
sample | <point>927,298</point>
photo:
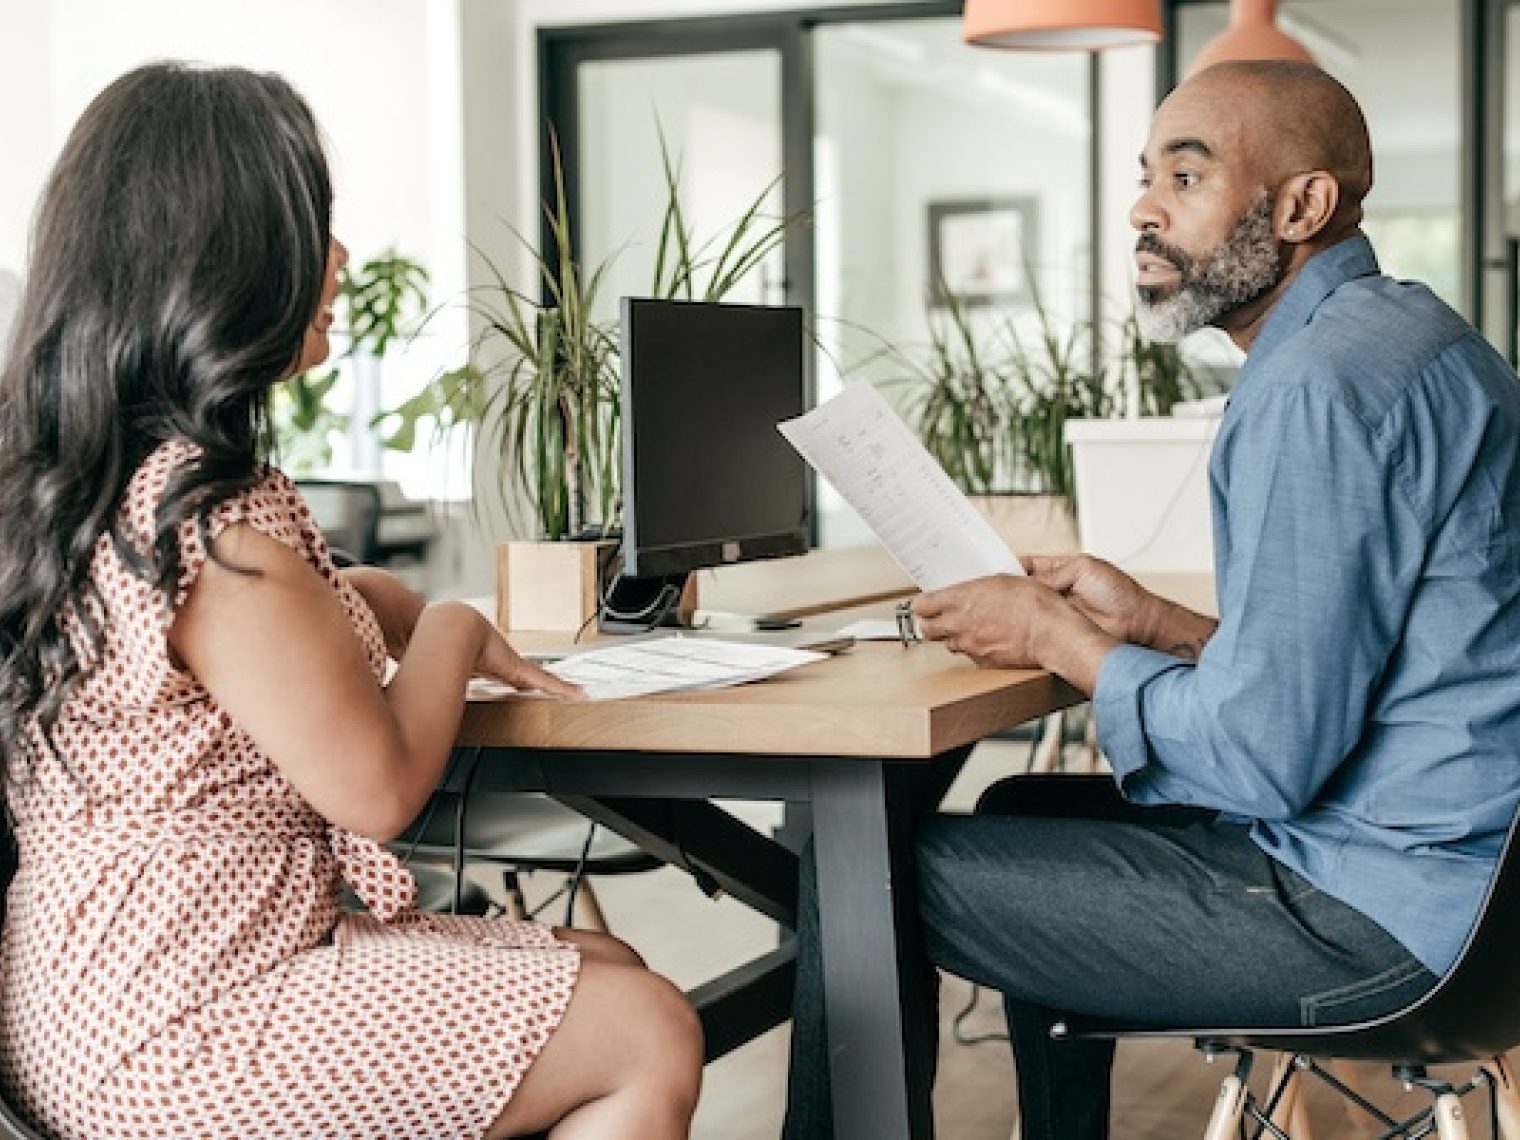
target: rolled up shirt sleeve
<point>1318,553</point>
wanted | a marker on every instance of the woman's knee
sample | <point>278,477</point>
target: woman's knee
<point>679,1028</point>
<point>598,946</point>
<point>657,1030</point>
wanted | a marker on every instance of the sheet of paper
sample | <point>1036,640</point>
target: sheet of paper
<point>861,446</point>
<point>668,664</point>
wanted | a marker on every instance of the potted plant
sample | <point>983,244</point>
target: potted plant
<point>542,388</point>
<point>992,404</point>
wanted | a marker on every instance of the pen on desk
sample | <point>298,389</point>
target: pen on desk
<point>907,628</point>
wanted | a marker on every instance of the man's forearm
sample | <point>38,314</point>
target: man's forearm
<point>1077,656</point>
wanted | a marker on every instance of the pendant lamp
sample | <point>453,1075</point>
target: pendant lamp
<point>1088,25</point>
<point>1253,34</point>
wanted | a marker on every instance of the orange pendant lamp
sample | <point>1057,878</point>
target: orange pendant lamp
<point>1253,34</point>
<point>1087,25</point>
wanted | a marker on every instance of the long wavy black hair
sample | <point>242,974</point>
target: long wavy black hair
<point>177,260</point>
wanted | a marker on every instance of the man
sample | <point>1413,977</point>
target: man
<point>1309,795</point>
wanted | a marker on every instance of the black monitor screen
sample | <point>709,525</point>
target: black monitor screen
<point>707,478</point>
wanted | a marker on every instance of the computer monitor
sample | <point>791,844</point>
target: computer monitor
<point>707,478</point>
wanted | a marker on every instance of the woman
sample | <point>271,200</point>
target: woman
<point>198,748</point>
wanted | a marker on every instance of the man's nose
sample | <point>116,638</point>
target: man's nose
<point>1144,215</point>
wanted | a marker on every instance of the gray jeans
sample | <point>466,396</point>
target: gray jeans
<point>1065,897</point>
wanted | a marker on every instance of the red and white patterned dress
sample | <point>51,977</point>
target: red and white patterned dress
<point>174,961</point>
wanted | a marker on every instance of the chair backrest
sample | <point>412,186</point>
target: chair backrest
<point>348,511</point>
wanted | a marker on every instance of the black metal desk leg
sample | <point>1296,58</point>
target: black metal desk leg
<point>877,984</point>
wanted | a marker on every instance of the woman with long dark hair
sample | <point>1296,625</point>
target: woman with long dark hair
<point>198,749</point>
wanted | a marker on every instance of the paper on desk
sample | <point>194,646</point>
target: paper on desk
<point>668,664</point>
<point>861,446</point>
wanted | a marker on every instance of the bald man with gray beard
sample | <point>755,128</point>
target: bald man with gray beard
<point>1309,794</point>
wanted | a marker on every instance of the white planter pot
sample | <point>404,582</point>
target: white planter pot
<point>549,585</point>
<point>1142,489</point>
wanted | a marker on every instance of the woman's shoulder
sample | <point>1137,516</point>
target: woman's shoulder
<point>270,496</point>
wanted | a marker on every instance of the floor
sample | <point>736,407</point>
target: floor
<point>1162,1091</point>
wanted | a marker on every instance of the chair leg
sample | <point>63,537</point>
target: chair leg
<point>1230,1104</point>
<point>1506,1097</point>
<point>1047,755</point>
<point>1446,1112</point>
<point>1451,1124</point>
<point>592,908</point>
<point>1092,760</point>
<point>517,906</point>
<point>1291,1113</point>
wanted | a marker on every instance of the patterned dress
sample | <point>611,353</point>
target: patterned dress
<point>174,961</point>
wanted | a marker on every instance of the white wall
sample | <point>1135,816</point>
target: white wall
<point>363,65</point>
<point>26,143</point>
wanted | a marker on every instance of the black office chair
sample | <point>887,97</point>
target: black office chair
<point>12,1125</point>
<point>348,511</point>
<point>1471,1017</point>
<point>517,832</point>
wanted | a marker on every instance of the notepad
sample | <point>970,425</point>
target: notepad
<point>665,665</point>
<point>863,448</point>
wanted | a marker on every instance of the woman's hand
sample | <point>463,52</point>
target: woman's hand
<point>500,662</point>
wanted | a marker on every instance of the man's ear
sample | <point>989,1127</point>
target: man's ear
<point>1305,204</point>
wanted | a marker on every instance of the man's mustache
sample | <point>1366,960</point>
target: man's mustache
<point>1150,243</point>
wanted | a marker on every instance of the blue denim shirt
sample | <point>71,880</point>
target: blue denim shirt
<point>1359,703</point>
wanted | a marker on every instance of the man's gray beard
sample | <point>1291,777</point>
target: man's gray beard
<point>1235,274</point>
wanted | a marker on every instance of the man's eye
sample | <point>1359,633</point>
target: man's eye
<point>1185,179</point>
<point>1144,182</point>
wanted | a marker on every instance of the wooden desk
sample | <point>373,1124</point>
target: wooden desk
<point>869,740</point>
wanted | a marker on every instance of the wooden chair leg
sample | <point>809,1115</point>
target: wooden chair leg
<point>592,908</point>
<point>1229,1106</point>
<point>1451,1124</point>
<point>1506,1097</point>
<point>1230,1103</point>
<point>517,906</point>
<point>1047,754</point>
<point>1291,1113</point>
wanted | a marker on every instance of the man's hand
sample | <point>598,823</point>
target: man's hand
<point>1015,622</point>
<point>1121,607</point>
<point>1110,598</point>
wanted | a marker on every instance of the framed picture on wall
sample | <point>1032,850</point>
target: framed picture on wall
<point>980,250</point>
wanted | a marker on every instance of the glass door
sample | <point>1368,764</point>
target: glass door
<point>954,189</point>
<point>717,118</point>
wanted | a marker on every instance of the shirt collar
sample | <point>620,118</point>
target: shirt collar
<point>1321,275</point>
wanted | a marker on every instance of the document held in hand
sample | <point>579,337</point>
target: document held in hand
<point>863,448</point>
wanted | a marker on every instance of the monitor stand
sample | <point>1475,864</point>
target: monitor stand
<point>637,605</point>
